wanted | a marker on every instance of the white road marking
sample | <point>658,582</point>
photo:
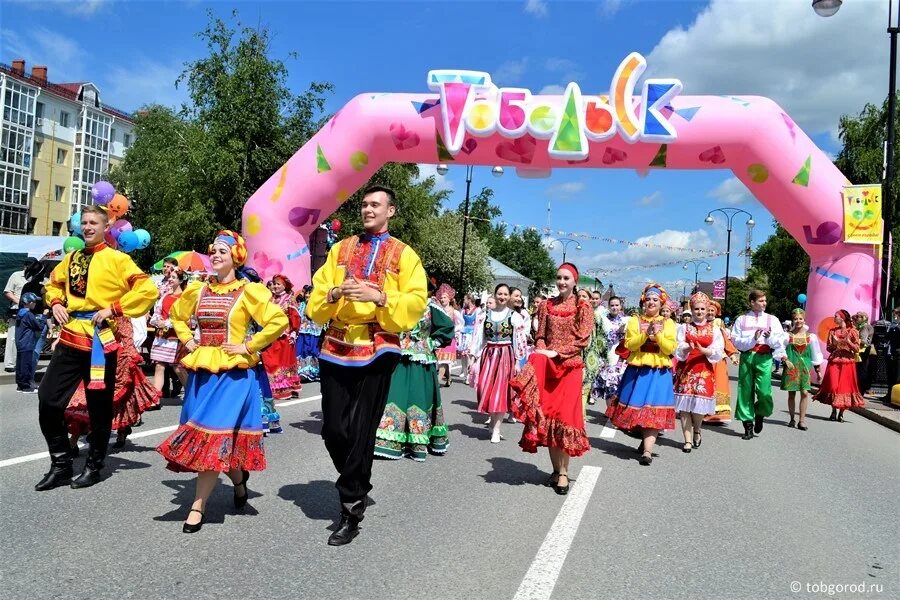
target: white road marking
<point>608,432</point>
<point>541,577</point>
<point>134,436</point>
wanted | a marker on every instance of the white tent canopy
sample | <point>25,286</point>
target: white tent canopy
<point>503,274</point>
<point>36,246</point>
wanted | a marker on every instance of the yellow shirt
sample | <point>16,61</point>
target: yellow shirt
<point>361,331</point>
<point>655,354</point>
<point>225,313</point>
<point>95,278</point>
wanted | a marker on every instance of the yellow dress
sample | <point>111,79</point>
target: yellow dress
<point>360,332</point>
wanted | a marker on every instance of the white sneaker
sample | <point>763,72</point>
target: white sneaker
<point>496,437</point>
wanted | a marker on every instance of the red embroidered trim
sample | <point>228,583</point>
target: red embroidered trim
<point>566,308</point>
<point>55,302</point>
<point>96,248</point>
<point>352,257</point>
<point>136,277</point>
<point>117,309</point>
<point>628,418</point>
<point>190,449</point>
<point>76,340</point>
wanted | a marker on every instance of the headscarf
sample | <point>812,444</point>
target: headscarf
<point>572,269</point>
<point>700,298</point>
<point>717,306</point>
<point>235,243</point>
<point>845,315</point>
<point>654,289</point>
<point>288,286</point>
<point>285,299</point>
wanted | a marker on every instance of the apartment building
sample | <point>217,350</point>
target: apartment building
<point>56,141</point>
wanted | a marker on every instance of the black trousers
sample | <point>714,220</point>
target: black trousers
<point>353,400</point>
<point>68,367</point>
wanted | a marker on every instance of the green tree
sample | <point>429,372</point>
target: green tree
<point>786,269</point>
<point>526,253</point>
<point>441,250</point>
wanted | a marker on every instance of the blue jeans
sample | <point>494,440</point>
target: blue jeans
<point>39,347</point>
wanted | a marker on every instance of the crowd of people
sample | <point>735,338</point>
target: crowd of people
<point>383,340</point>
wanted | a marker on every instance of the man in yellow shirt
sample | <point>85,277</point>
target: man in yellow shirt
<point>370,289</point>
<point>85,290</point>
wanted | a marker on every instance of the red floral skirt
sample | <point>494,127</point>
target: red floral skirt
<point>280,361</point>
<point>839,386</point>
<point>547,399</point>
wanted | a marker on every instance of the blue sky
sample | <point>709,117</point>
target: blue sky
<point>134,51</point>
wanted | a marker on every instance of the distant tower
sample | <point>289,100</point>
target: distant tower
<point>748,250</point>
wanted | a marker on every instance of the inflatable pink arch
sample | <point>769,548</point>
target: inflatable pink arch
<point>466,120</point>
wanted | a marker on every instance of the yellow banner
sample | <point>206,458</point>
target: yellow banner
<point>862,214</point>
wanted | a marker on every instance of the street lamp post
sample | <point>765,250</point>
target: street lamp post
<point>442,170</point>
<point>565,242</point>
<point>697,264</point>
<point>729,218</point>
<point>827,8</point>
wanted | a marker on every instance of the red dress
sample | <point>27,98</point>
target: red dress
<point>280,359</point>
<point>839,386</point>
<point>133,394</point>
<point>695,382</point>
<point>548,390</point>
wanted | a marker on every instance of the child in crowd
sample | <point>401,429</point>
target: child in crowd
<point>28,327</point>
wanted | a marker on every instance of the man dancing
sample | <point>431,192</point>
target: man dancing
<point>370,288</point>
<point>89,287</point>
<point>759,337</point>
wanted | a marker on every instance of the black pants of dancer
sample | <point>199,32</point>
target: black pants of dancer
<point>353,400</point>
<point>68,367</point>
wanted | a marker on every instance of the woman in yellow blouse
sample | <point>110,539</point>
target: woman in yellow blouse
<point>221,420</point>
<point>646,399</point>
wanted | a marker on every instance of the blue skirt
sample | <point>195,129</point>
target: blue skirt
<point>646,399</point>
<point>307,345</point>
<point>221,424</point>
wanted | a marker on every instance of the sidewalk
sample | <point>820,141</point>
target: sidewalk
<point>881,411</point>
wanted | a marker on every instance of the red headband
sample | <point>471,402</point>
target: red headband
<point>571,269</point>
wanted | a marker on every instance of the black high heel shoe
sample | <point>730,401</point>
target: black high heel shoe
<point>562,490</point>
<point>188,528</point>
<point>241,501</point>
<point>698,439</point>
<point>552,480</point>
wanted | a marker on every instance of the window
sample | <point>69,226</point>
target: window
<point>127,140</point>
<point>57,227</point>
<point>59,191</point>
<point>34,187</point>
<point>112,135</point>
<point>37,148</point>
<point>60,156</point>
<point>63,118</point>
<point>39,110</point>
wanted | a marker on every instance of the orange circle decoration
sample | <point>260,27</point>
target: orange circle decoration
<point>825,325</point>
<point>117,207</point>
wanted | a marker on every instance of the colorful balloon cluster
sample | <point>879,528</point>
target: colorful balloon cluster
<point>121,234</point>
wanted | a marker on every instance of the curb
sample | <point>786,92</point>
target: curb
<point>880,419</point>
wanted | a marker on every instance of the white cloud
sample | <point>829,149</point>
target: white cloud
<point>608,8</point>
<point>537,8</point>
<point>567,69</point>
<point>441,182</point>
<point>731,191</point>
<point>42,46</point>
<point>651,199</point>
<point>510,72</point>
<point>816,68</point>
<point>639,255</point>
<point>565,191</point>
<point>144,82</point>
<point>80,8</point>
<point>552,89</point>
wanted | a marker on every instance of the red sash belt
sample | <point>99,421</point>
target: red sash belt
<point>761,349</point>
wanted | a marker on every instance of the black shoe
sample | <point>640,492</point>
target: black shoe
<point>802,426</point>
<point>698,439</point>
<point>91,475</point>
<point>74,451</point>
<point>792,423</point>
<point>841,417</point>
<point>122,437</point>
<point>241,501</point>
<point>551,481</point>
<point>686,448</point>
<point>346,531</point>
<point>757,428</point>
<point>188,528</point>
<point>833,416</point>
<point>748,430</point>
<point>646,459</point>
<point>562,490</point>
<point>60,472</point>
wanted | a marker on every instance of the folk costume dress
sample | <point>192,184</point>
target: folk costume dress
<point>280,359</point>
<point>221,419</point>
<point>166,348</point>
<point>695,384</point>
<point>447,353</point>
<point>755,372</point>
<point>839,387</point>
<point>500,340</point>
<point>803,351</point>
<point>468,330</point>
<point>594,355</point>
<point>548,390</point>
<point>646,396</point>
<point>133,394</point>
<point>308,336</point>
<point>413,419</point>
<point>607,384</point>
<point>723,385</point>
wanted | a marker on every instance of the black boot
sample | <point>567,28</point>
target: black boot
<point>748,430</point>
<point>60,472</point>
<point>759,424</point>
<point>91,474</point>
<point>346,531</point>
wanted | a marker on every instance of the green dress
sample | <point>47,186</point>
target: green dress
<point>803,351</point>
<point>594,355</point>
<point>413,419</point>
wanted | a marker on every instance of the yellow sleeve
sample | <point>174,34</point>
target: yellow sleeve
<point>634,337</point>
<point>142,293</point>
<point>266,313</point>
<point>667,340</point>
<point>55,290</point>
<point>406,305</point>
<point>183,309</point>
<point>317,306</point>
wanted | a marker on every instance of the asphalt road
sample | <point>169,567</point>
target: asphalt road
<point>734,519</point>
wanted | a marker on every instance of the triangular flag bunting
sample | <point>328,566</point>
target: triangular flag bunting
<point>687,113</point>
<point>443,153</point>
<point>322,165</point>
<point>802,178</point>
<point>660,159</point>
